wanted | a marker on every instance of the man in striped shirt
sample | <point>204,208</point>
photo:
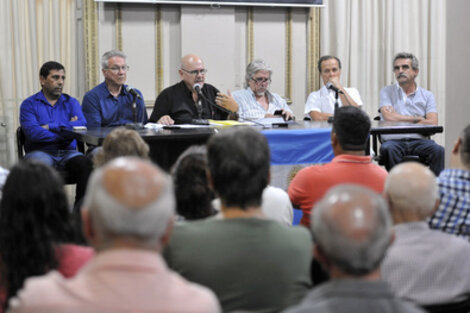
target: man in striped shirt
<point>423,265</point>
<point>453,214</point>
<point>256,101</point>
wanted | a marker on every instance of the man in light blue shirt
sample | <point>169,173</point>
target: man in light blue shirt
<point>407,102</point>
<point>256,101</point>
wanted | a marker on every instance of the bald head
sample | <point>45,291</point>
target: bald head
<point>133,184</point>
<point>190,60</point>
<point>411,190</point>
<point>130,197</point>
<point>352,227</point>
<point>192,70</point>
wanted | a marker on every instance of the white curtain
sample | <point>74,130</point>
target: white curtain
<point>31,32</point>
<point>366,34</point>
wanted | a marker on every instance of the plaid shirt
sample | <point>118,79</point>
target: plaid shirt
<point>453,214</point>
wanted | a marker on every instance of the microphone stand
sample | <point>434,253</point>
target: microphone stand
<point>212,104</point>
<point>135,125</point>
<point>199,107</point>
<point>331,118</point>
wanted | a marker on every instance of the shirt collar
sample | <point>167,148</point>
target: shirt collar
<point>124,259</point>
<point>349,158</point>
<point>325,91</point>
<point>42,98</point>
<point>402,93</point>
<point>123,90</point>
<point>268,93</point>
<point>455,173</point>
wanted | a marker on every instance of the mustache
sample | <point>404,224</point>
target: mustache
<point>402,75</point>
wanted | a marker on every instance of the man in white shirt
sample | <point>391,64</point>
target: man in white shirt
<point>321,103</point>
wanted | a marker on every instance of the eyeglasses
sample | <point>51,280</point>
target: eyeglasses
<point>116,69</point>
<point>261,80</point>
<point>404,67</point>
<point>195,72</point>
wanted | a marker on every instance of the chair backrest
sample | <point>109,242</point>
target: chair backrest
<point>20,140</point>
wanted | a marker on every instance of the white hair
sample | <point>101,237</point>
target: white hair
<point>365,212</point>
<point>255,66</point>
<point>109,216</point>
<point>412,187</point>
<point>109,54</point>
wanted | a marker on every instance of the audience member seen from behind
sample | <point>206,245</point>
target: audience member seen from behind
<point>193,194</point>
<point>454,191</point>
<point>349,136</point>
<point>426,266</point>
<point>35,228</point>
<point>127,217</point>
<point>195,199</point>
<point>121,142</point>
<point>352,230</point>
<point>252,263</point>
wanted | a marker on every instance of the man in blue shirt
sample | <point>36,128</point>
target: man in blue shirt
<point>111,102</point>
<point>407,102</point>
<point>44,116</point>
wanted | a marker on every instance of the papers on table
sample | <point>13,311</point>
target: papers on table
<point>156,126</point>
<point>266,122</point>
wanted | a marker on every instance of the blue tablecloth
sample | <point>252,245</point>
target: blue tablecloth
<point>299,146</point>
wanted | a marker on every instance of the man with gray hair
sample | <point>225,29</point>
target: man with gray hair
<point>453,214</point>
<point>426,266</point>
<point>127,217</point>
<point>111,102</point>
<point>405,101</point>
<point>352,230</point>
<point>256,101</point>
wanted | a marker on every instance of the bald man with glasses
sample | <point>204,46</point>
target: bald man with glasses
<point>191,99</point>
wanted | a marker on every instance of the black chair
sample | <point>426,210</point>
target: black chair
<point>405,158</point>
<point>457,307</point>
<point>20,141</point>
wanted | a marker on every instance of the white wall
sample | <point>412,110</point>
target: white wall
<point>457,71</point>
<point>217,35</point>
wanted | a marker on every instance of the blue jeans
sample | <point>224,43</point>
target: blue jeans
<point>392,152</point>
<point>56,159</point>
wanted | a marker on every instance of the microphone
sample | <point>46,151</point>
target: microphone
<point>132,91</point>
<point>197,88</point>
<point>329,85</point>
